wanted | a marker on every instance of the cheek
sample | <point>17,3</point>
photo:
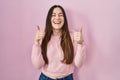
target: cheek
<point>51,19</point>
<point>63,19</point>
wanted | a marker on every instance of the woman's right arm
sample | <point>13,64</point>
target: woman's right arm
<point>36,57</point>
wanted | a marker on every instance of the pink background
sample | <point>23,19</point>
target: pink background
<point>101,27</point>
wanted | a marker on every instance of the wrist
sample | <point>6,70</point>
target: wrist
<point>36,42</point>
<point>80,42</point>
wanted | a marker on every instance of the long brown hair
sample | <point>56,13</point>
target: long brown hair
<point>66,42</point>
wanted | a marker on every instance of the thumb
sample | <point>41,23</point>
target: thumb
<point>81,34</point>
<point>81,30</point>
<point>38,28</point>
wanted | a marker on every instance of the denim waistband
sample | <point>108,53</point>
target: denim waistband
<point>44,77</point>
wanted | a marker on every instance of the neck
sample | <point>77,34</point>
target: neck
<point>56,32</point>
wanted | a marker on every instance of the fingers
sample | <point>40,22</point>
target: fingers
<point>39,35</point>
<point>78,36</point>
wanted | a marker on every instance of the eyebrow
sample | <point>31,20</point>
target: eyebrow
<point>58,13</point>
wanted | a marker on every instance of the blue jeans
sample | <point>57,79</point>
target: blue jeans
<point>44,77</point>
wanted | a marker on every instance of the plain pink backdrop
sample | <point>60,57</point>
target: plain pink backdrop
<point>101,27</point>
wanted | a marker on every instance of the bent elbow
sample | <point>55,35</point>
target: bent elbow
<point>78,65</point>
<point>37,63</point>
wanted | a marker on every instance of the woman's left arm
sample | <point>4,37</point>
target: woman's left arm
<point>80,54</point>
<point>79,48</point>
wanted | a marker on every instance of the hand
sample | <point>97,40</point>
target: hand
<point>78,37</point>
<point>39,35</point>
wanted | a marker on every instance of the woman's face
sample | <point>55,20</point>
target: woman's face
<point>57,19</point>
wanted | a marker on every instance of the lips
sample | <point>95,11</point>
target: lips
<point>57,22</point>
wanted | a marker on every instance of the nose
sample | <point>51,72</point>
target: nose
<point>57,17</point>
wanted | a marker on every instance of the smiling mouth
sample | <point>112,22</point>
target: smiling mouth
<point>57,22</point>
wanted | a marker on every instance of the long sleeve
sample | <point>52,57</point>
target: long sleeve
<point>36,57</point>
<point>80,53</point>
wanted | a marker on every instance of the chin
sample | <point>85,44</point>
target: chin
<point>57,27</point>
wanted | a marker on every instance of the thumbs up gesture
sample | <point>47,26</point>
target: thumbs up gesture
<point>39,35</point>
<point>78,37</point>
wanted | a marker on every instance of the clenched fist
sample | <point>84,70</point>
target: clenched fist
<point>78,37</point>
<point>38,36</point>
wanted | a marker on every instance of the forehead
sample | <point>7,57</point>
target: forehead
<point>57,10</point>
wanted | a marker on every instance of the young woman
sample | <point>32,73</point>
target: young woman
<point>57,51</point>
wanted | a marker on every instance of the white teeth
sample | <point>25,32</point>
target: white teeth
<point>57,22</point>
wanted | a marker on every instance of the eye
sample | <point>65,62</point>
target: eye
<point>53,15</point>
<point>60,15</point>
